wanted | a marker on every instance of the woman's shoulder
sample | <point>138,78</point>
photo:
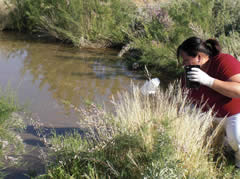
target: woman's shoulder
<point>224,55</point>
<point>225,58</point>
<point>226,64</point>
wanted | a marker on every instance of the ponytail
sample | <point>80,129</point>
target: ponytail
<point>214,46</point>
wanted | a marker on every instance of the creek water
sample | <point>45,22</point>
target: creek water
<point>46,74</point>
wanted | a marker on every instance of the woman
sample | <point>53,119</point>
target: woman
<point>219,78</point>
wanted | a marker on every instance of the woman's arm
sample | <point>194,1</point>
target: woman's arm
<point>230,88</point>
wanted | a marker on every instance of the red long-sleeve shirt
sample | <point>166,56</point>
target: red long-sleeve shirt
<point>222,67</point>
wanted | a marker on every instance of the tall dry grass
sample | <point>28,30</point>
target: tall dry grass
<point>195,134</point>
<point>191,131</point>
<point>191,135</point>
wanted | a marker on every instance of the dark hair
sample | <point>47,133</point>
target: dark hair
<point>193,45</point>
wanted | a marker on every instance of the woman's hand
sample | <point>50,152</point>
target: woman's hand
<point>229,88</point>
<point>197,75</point>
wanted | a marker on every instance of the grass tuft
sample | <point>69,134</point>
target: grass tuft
<point>11,123</point>
<point>159,136</point>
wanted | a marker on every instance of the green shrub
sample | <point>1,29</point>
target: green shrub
<point>231,44</point>
<point>165,28</point>
<point>153,33</point>
<point>78,21</point>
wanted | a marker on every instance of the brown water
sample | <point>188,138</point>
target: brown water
<point>46,74</point>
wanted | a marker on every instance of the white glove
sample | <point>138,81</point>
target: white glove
<point>200,76</point>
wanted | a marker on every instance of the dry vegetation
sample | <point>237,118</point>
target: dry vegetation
<point>147,136</point>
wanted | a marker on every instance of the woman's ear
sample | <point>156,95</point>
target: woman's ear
<point>202,57</point>
<point>199,58</point>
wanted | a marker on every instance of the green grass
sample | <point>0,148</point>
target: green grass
<point>11,146</point>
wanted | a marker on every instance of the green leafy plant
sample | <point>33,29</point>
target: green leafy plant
<point>80,22</point>
<point>11,145</point>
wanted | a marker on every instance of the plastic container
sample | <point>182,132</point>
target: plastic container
<point>150,86</point>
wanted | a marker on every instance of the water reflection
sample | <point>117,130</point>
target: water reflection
<point>46,74</point>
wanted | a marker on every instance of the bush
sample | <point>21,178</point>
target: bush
<point>76,21</point>
<point>165,28</point>
<point>151,33</point>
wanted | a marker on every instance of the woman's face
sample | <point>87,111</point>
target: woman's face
<point>188,60</point>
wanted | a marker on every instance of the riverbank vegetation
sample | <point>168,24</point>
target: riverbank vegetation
<point>11,124</point>
<point>148,35</point>
<point>154,137</point>
<point>158,136</point>
<point>83,23</point>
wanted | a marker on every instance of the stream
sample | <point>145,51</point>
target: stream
<point>47,76</point>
